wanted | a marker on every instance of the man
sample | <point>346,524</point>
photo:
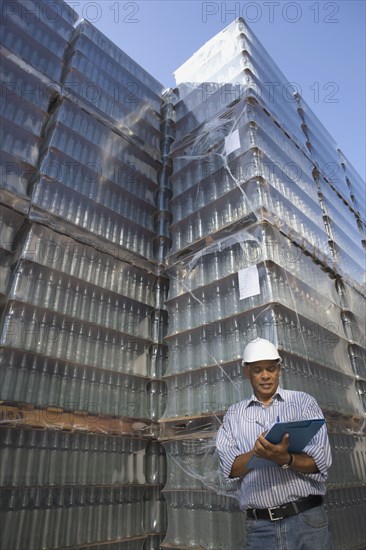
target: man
<point>284,502</point>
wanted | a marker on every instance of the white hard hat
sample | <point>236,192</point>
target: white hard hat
<point>260,350</point>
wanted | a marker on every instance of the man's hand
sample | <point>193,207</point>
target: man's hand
<point>277,453</point>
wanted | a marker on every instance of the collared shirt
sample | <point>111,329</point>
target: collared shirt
<point>267,487</point>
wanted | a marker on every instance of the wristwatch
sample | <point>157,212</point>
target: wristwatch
<point>288,464</point>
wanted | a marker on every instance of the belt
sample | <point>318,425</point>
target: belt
<point>286,510</point>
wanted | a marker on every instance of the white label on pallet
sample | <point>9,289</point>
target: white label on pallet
<point>248,282</point>
<point>232,142</point>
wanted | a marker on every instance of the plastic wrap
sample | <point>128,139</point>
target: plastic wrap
<point>225,256</point>
<point>345,241</point>
<point>255,127</point>
<point>204,373</point>
<point>98,363</point>
<point>87,140</point>
<point>58,458</point>
<point>81,515</point>
<point>329,166</point>
<point>19,143</point>
<point>23,115</point>
<point>113,78</point>
<point>110,49</point>
<point>90,179</point>
<point>342,229</point>
<point>24,46</point>
<point>339,212</point>
<point>201,393</point>
<point>322,149</point>
<point>349,266</point>
<point>85,393</point>
<point>235,172</point>
<point>191,468</point>
<point>222,299</point>
<point>73,214</point>
<point>66,337</point>
<point>23,21</point>
<point>345,508</point>
<point>96,189</point>
<point>204,392</point>
<point>211,317</point>
<point>189,511</point>
<point>116,106</point>
<point>356,185</point>
<point>315,125</point>
<point>10,224</point>
<point>56,14</point>
<point>357,356</point>
<point>135,544</point>
<point>351,300</point>
<point>19,81</point>
<point>358,203</point>
<point>361,390</point>
<point>5,271</point>
<point>336,392</point>
<point>231,57</point>
<point>213,99</point>
<point>15,176</point>
<point>84,264</point>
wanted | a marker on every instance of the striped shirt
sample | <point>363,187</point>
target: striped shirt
<point>267,487</point>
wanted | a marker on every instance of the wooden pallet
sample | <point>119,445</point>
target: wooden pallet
<point>206,425</point>
<point>28,416</point>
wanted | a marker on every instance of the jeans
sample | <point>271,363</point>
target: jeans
<point>305,531</point>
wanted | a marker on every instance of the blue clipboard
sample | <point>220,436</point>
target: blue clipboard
<point>300,432</point>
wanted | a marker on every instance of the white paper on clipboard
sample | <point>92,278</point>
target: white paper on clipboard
<point>248,282</point>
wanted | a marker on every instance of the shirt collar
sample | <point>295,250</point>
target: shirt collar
<point>278,396</point>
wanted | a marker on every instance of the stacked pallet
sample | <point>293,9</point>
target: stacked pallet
<point>82,299</point>
<point>263,244</point>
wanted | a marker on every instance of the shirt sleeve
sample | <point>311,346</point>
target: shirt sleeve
<point>226,445</point>
<point>319,447</point>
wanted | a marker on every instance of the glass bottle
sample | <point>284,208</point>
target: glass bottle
<point>8,447</point>
<point>93,393</point>
<point>84,391</point>
<point>48,520</point>
<point>83,458</point>
<point>12,503</point>
<point>63,476</point>
<point>23,521</point>
<point>120,462</point>
<point>109,510</point>
<point>8,374</point>
<point>54,462</point>
<point>37,525</point>
<point>91,512</point>
<point>69,525</point>
<point>54,386</point>
<point>81,516</point>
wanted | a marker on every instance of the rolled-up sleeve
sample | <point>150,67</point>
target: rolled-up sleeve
<point>226,445</point>
<point>319,447</point>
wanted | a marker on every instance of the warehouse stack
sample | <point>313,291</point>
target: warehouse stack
<point>146,237</point>
<point>264,243</point>
<point>82,301</point>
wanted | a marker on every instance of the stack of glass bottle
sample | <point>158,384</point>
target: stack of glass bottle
<point>267,240</point>
<point>82,301</point>
<point>229,189</point>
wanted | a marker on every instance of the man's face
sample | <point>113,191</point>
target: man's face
<point>264,378</point>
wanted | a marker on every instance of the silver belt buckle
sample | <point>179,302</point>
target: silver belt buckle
<point>271,517</point>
